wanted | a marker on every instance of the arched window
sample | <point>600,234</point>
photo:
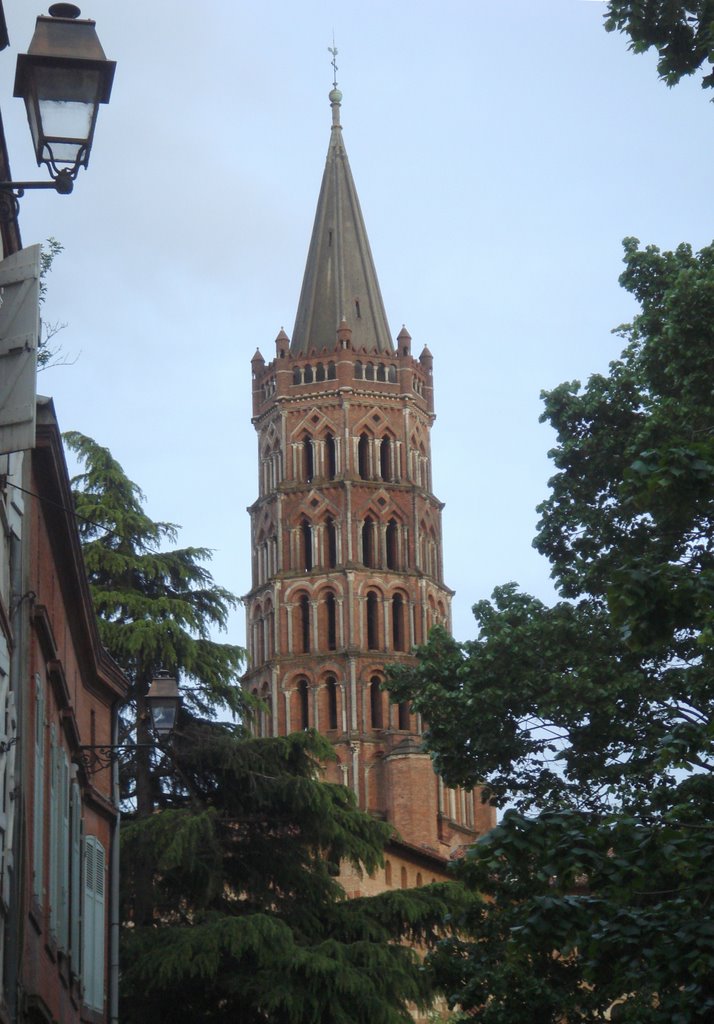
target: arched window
<point>419,879</point>
<point>331,611</point>
<point>305,623</point>
<point>368,542</point>
<point>297,375</point>
<point>306,541</point>
<point>381,372</point>
<point>359,370</point>
<point>320,372</point>
<point>369,371</point>
<point>331,533</point>
<point>331,703</point>
<point>331,453</point>
<point>375,703</point>
<point>372,627</point>
<point>391,538</point>
<point>398,622</point>
<point>387,872</point>
<point>303,704</point>
<point>331,371</point>
<point>307,377</point>
<point>363,457</point>
<point>404,878</point>
<point>385,459</point>
<point>308,459</point>
<point>392,375</point>
<point>404,710</point>
<point>266,715</point>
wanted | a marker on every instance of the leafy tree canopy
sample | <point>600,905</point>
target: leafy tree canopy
<point>592,718</point>
<point>682,34</point>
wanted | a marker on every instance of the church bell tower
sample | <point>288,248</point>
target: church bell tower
<point>347,572</point>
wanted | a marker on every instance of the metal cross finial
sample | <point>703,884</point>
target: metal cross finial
<point>333,50</point>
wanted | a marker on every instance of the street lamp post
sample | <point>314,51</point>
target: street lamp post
<point>63,78</point>
<point>163,701</point>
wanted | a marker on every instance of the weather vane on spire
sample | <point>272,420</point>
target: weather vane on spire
<point>333,50</point>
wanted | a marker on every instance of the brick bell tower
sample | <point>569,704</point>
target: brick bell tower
<point>346,535</point>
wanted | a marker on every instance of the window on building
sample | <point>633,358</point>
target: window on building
<point>392,535</point>
<point>331,614</point>
<point>331,533</point>
<point>331,455</point>
<point>369,371</point>
<point>381,372</point>
<point>305,623</point>
<point>94,944</point>
<point>38,837</point>
<point>297,375</point>
<point>331,703</point>
<point>385,459</point>
<point>404,712</point>
<point>304,704</point>
<point>375,703</point>
<point>359,370</point>
<point>368,542</point>
<point>363,456</point>
<point>320,372</point>
<point>404,878</point>
<point>372,626</point>
<point>306,543</point>
<point>398,622</point>
<point>331,371</point>
<point>308,460</point>
<point>388,872</point>
<point>307,375</point>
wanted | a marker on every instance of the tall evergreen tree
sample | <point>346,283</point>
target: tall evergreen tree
<point>232,851</point>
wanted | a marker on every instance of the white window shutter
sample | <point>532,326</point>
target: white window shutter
<point>75,874</point>
<point>54,832</point>
<point>93,952</point>
<point>38,840</point>
<point>19,336</point>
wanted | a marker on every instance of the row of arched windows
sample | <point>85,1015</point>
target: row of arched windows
<point>306,374</point>
<point>318,625</point>
<point>317,458</point>
<point>381,545</point>
<point>403,876</point>
<point>380,371</point>
<point>322,707</point>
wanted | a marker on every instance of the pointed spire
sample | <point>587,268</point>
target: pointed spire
<point>340,281</point>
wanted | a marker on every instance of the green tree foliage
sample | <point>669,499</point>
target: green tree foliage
<point>592,719</point>
<point>231,846</point>
<point>251,923</point>
<point>157,607</point>
<point>682,34</point>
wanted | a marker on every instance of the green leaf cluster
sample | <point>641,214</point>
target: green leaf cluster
<point>681,32</point>
<point>592,719</point>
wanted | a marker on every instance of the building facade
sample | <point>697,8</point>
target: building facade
<point>347,572</point>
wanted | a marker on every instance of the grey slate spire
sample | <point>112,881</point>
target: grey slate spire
<point>340,281</point>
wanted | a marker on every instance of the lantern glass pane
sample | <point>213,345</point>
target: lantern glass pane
<point>163,716</point>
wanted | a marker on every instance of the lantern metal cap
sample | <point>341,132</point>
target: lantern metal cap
<point>62,41</point>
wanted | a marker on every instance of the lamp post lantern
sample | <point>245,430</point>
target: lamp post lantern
<point>163,701</point>
<point>63,78</point>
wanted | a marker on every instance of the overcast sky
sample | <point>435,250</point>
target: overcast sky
<point>501,151</point>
